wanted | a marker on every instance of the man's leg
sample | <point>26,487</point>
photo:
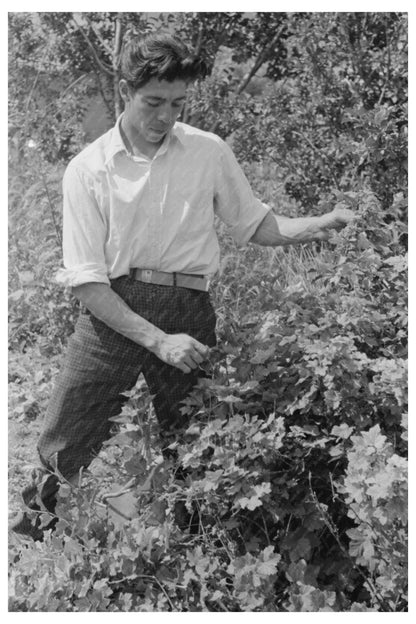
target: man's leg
<point>99,366</point>
<point>190,313</point>
<point>169,387</point>
<point>184,311</point>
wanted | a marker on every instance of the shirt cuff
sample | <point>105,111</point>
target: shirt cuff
<point>243,236</point>
<point>82,274</point>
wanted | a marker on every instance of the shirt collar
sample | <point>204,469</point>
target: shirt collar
<point>116,143</point>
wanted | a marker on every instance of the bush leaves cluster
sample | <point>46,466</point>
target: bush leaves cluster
<point>293,490</point>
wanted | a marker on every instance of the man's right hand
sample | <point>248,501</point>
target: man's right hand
<point>181,351</point>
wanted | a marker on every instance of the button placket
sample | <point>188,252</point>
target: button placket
<point>155,220</point>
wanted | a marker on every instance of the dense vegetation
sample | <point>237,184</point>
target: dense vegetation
<point>293,469</point>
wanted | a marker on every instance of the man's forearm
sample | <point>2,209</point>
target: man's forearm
<point>275,230</point>
<point>178,350</point>
<point>109,307</point>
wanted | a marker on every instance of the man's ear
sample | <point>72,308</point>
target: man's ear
<point>124,89</point>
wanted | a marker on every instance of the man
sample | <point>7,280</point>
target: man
<point>139,250</point>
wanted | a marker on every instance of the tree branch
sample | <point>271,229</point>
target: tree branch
<point>106,101</point>
<point>102,67</point>
<point>104,43</point>
<point>118,39</point>
<point>387,76</point>
<point>261,59</point>
<point>72,85</point>
<point>198,46</point>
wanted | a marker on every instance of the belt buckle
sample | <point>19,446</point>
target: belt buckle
<point>147,275</point>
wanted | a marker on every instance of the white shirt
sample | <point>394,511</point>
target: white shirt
<point>123,211</point>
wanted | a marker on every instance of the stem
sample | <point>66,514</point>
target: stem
<point>118,512</point>
<point>32,90</point>
<point>387,78</point>
<point>125,490</point>
<point>266,532</point>
<point>154,578</point>
<point>57,230</point>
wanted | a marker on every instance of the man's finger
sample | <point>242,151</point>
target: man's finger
<point>323,235</point>
<point>197,357</point>
<point>201,348</point>
<point>192,362</point>
<point>183,367</point>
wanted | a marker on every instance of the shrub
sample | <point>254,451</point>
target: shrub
<point>39,309</point>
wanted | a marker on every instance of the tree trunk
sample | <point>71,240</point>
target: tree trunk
<point>118,40</point>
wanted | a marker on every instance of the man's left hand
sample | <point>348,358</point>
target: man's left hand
<point>338,218</point>
<point>335,220</point>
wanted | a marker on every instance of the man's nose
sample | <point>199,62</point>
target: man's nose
<point>165,114</point>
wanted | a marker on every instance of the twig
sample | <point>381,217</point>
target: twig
<point>288,524</point>
<point>118,512</point>
<point>265,528</point>
<point>321,153</point>
<point>125,490</point>
<point>71,86</point>
<point>48,197</point>
<point>154,578</point>
<point>32,90</point>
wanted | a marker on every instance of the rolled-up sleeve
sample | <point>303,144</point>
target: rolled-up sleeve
<point>234,201</point>
<point>84,233</point>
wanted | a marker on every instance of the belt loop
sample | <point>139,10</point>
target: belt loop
<point>132,275</point>
<point>174,280</point>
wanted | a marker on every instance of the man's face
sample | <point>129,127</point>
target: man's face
<point>151,111</point>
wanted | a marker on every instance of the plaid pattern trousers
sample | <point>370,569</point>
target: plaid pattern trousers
<point>101,364</point>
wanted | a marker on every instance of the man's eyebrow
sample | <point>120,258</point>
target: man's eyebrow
<point>160,99</point>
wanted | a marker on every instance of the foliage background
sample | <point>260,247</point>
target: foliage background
<point>293,471</point>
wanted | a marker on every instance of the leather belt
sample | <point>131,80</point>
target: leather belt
<point>181,280</point>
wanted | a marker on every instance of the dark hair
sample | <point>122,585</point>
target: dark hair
<point>159,55</point>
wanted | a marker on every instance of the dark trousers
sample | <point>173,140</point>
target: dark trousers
<point>101,364</point>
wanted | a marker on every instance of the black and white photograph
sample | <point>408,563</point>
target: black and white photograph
<point>207,311</point>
